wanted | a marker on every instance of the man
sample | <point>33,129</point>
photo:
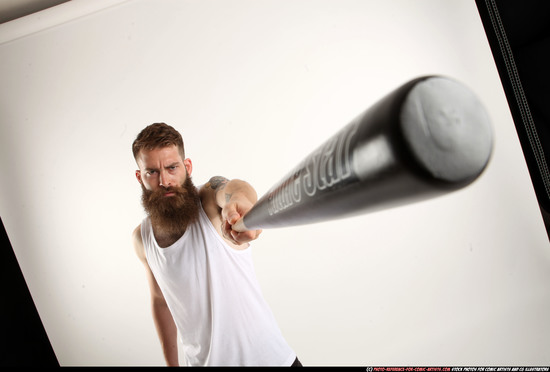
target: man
<point>200,271</point>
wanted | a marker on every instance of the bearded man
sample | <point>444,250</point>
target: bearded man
<point>200,271</point>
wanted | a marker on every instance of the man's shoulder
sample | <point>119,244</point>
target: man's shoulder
<point>136,234</point>
<point>138,243</point>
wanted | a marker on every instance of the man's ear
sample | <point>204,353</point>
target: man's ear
<point>138,176</point>
<point>188,165</point>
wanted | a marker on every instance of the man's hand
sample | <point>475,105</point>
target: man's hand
<point>233,199</point>
<point>233,211</point>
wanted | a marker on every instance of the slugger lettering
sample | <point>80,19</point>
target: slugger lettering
<point>325,168</point>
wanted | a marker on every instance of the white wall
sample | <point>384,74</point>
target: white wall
<point>254,86</point>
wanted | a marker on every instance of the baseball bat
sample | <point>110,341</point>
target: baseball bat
<point>428,137</point>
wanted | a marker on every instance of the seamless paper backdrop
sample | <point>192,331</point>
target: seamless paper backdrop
<point>254,86</point>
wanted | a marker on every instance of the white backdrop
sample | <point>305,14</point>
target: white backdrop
<point>254,86</point>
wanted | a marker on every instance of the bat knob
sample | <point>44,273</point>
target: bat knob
<point>447,129</point>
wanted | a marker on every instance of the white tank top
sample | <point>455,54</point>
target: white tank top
<point>215,299</point>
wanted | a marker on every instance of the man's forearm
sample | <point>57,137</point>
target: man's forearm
<point>236,189</point>
<point>167,332</point>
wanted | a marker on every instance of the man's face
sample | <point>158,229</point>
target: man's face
<point>162,168</point>
<point>169,196</point>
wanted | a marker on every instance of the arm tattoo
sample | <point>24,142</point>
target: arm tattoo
<point>218,182</point>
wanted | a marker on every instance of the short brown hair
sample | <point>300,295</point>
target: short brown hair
<point>155,136</point>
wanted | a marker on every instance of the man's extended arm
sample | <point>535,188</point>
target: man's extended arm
<point>235,198</point>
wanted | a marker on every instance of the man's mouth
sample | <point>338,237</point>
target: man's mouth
<point>169,193</point>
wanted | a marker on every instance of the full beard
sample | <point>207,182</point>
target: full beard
<point>171,215</point>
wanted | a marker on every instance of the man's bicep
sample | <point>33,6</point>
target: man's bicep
<point>214,188</point>
<point>217,183</point>
<point>154,288</point>
<point>156,294</point>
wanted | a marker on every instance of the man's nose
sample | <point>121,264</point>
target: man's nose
<point>165,179</point>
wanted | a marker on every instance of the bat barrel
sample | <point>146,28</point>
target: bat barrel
<point>426,138</point>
